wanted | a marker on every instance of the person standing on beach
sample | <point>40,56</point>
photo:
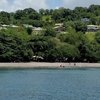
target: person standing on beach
<point>74,64</point>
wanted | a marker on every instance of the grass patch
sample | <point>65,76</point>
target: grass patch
<point>90,36</point>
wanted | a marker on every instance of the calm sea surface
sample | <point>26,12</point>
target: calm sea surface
<point>49,84</point>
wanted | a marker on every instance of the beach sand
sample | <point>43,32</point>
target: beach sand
<point>49,65</point>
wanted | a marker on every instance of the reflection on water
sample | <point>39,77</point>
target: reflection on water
<point>46,84</point>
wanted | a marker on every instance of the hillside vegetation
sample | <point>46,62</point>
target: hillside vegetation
<point>55,35</point>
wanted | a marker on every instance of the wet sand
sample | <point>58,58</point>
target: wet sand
<point>49,65</point>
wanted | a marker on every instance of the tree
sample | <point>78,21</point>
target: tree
<point>50,32</point>
<point>29,30</point>
<point>37,23</point>
<point>92,52</point>
<point>97,37</point>
<point>4,17</point>
<point>69,51</point>
<point>42,11</point>
<point>18,14</point>
<point>79,26</point>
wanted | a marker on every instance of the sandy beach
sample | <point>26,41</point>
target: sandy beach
<point>49,65</point>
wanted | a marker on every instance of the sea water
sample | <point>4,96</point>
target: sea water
<point>50,84</point>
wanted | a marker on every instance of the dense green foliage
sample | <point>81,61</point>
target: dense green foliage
<point>73,44</point>
<point>31,16</point>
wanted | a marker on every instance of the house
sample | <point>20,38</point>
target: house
<point>27,26</point>
<point>85,20</point>
<point>93,28</point>
<point>38,58</point>
<point>37,29</point>
<point>5,25</point>
<point>14,26</point>
<point>59,27</point>
<point>3,28</point>
<point>59,24</point>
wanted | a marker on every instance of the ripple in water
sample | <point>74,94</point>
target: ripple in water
<point>50,84</point>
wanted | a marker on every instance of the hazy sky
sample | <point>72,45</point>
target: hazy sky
<point>12,5</point>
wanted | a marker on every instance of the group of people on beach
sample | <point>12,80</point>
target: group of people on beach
<point>62,66</point>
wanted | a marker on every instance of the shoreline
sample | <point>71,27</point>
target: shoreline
<point>48,65</point>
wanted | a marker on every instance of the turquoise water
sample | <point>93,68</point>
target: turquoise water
<point>45,84</point>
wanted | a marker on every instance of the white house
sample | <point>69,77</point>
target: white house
<point>27,26</point>
<point>93,27</point>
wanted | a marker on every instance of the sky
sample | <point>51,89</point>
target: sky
<point>13,5</point>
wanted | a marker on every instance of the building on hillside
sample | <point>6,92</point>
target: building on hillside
<point>14,26</point>
<point>59,24</point>
<point>93,28</point>
<point>38,58</point>
<point>37,29</point>
<point>59,27</point>
<point>3,28</point>
<point>5,25</point>
<point>85,20</point>
<point>27,26</point>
